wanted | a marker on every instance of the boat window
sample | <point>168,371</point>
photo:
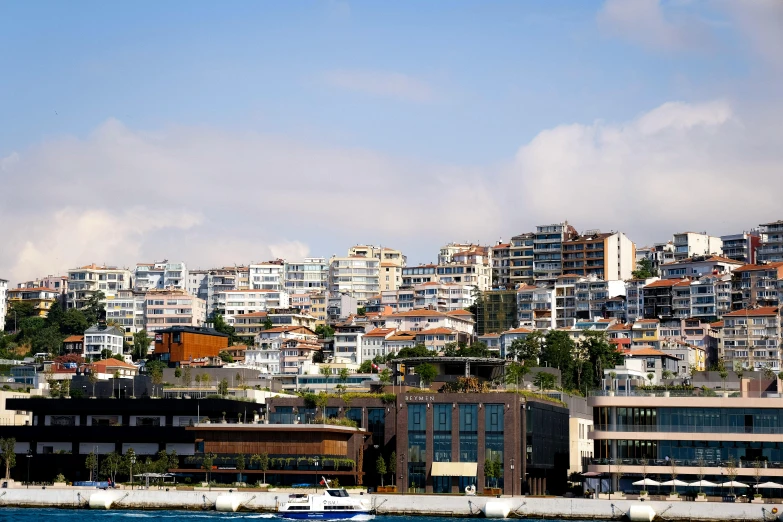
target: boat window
<point>337,493</point>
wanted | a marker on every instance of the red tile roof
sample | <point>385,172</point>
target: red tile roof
<point>437,331</point>
<point>379,332</point>
<point>751,268</point>
<point>663,283</point>
<point>519,330</point>
<point>763,310</point>
<point>74,339</point>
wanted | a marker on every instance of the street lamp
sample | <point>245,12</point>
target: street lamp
<point>315,465</point>
<point>132,462</point>
<point>29,456</point>
<point>402,472</point>
<point>512,477</point>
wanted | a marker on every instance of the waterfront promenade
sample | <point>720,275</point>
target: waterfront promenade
<point>433,505</point>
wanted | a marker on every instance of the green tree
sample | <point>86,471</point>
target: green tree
<point>393,464</point>
<point>416,351</point>
<point>342,376</point>
<point>515,373</point>
<point>366,366</point>
<point>207,463</point>
<point>8,452</point>
<point>106,353</point>
<point>177,373</point>
<point>385,377</point>
<point>90,463</point>
<point>263,464</point>
<point>268,324</point>
<point>55,315</point>
<point>73,322</point>
<point>324,331</point>
<point>126,462</point>
<point>544,381</point>
<point>223,387</point>
<point>220,324</point>
<point>601,355</point>
<point>380,467</point>
<point>111,465</point>
<point>427,372</point>
<point>489,471</point>
<point>226,357</point>
<point>644,269</point>
<point>558,353</point>
<point>527,348</point>
<point>240,465</point>
<point>361,311</point>
<point>326,371</point>
<point>94,307</point>
<point>93,378</point>
<point>187,376</point>
<point>141,344</point>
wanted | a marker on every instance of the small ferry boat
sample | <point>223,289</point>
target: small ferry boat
<point>332,504</point>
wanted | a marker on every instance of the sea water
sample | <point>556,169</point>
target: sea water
<point>86,515</point>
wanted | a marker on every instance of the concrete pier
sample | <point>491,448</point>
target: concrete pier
<point>396,504</point>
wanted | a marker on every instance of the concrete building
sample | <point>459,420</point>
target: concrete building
<point>390,276</point>
<point>548,251</point>
<point>469,267</point>
<point>416,275</point>
<point>101,337</point>
<point>501,265</point>
<point>710,296</point>
<point>698,266</point>
<point>658,254</point>
<point>659,295</point>
<point>319,303</point>
<point>307,276</point>
<point>536,307</point>
<point>593,295</point>
<point>446,253</point>
<point>443,297</point>
<point>240,302</point>
<point>609,256</point>
<point>689,244</point>
<point>267,276</point>
<point>382,254</point>
<point>41,299</point>
<point>420,320</point>
<point>86,281</point>
<point>160,275</point>
<point>164,309</point>
<point>3,302</point>
<point>57,283</point>
<point>127,311</point>
<point>209,284</point>
<point>634,297</point>
<point>374,343</point>
<point>496,312</point>
<point>756,285</point>
<point>521,260</point>
<point>771,248</point>
<point>404,298</point>
<point>355,276</point>
<point>752,338</point>
<point>348,344</point>
<point>741,247</point>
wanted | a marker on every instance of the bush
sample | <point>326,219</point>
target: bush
<point>59,478</point>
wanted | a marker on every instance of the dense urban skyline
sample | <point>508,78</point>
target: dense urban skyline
<point>226,136</point>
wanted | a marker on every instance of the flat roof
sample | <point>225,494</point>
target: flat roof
<point>275,427</point>
<point>192,329</point>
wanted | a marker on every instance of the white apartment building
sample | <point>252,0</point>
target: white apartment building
<point>689,244</point>
<point>266,360</point>
<point>771,248</point>
<point>469,267</point>
<point>99,338</point>
<point>420,320</point>
<point>348,345</point>
<point>698,266</point>
<point>3,302</point>
<point>355,276</point>
<point>752,338</point>
<point>521,259</point>
<point>658,254</point>
<point>536,307</point>
<point>310,275</point>
<point>592,295</point>
<point>126,310</point>
<point>208,284</point>
<point>167,308</point>
<point>399,300</point>
<point>416,275</point>
<point>634,298</point>
<point>741,247</point>
<point>443,297</point>
<point>160,275</point>
<point>374,343</point>
<point>239,302</point>
<point>86,281</point>
<point>446,253</point>
<point>382,254</point>
<point>267,276</point>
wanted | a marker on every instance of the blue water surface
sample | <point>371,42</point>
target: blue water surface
<point>86,515</point>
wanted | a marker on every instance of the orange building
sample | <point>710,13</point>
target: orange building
<point>183,344</point>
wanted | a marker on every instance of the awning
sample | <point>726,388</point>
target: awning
<point>454,469</point>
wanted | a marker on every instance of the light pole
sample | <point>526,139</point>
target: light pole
<point>315,465</point>
<point>29,457</point>
<point>132,462</point>
<point>512,477</point>
<point>402,472</point>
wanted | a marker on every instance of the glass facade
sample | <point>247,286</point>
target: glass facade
<point>692,420</point>
<point>441,444</point>
<point>376,420</point>
<point>355,414</point>
<point>417,446</point>
<point>493,438</point>
<point>468,440</point>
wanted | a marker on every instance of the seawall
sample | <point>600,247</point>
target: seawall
<point>433,505</point>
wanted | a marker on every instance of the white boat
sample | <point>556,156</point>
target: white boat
<point>332,504</point>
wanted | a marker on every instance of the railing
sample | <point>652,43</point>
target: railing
<point>688,429</point>
<point>683,462</point>
<point>696,392</point>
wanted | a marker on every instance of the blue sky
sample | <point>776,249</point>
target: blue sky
<point>447,91</point>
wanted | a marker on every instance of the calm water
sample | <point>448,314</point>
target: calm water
<point>86,515</point>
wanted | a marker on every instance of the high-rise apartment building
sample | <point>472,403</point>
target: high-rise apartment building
<point>521,260</point>
<point>741,247</point>
<point>357,276</point>
<point>689,244</point>
<point>267,276</point>
<point>610,256</point>
<point>771,248</point>
<point>501,265</point>
<point>309,275</point>
<point>548,251</point>
<point>169,308</point>
<point>126,310</point>
<point>88,280</point>
<point>382,254</point>
<point>160,275</point>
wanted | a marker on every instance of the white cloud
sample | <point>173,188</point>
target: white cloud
<point>645,22</point>
<point>761,21</point>
<point>381,83</point>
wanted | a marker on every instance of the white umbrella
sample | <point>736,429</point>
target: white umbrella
<point>647,482</point>
<point>674,482</point>
<point>703,484</point>
<point>733,484</point>
<point>769,485</point>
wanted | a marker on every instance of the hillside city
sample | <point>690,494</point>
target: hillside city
<point>567,334</point>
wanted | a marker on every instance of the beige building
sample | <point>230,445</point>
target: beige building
<point>752,338</point>
<point>84,282</point>
<point>167,308</point>
<point>355,276</point>
<point>382,254</point>
<point>521,260</point>
<point>469,267</point>
<point>609,256</point>
<point>41,299</point>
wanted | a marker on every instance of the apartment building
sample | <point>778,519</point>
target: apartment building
<point>127,311</point>
<point>419,320</point>
<point>689,244</point>
<point>446,253</point>
<point>348,344</point>
<point>240,302</point>
<point>634,297</point>
<point>536,307</point>
<point>382,254</point>
<point>318,307</point>
<point>41,299</point>
<point>496,312</point>
<point>404,298</point>
<point>658,254</point>
<point>356,276</point>
<point>3,302</point>
<point>658,298</point>
<point>390,276</point>
<point>165,309</point>
<point>710,296</point>
<point>160,275</point>
<point>609,256</point>
<point>267,276</point>
<point>698,266</point>
<point>771,248</point>
<point>501,265</point>
<point>309,275</point>
<point>443,297</point>
<point>521,260</point>
<point>86,281</point>
<point>373,343</point>
<point>548,251</point>
<point>416,275</point>
<point>756,285</point>
<point>243,278</point>
<point>741,247</point>
<point>469,267</point>
<point>646,333</point>
<point>752,338</point>
<point>593,298</point>
<point>101,337</point>
<point>214,282</point>
<point>57,283</point>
